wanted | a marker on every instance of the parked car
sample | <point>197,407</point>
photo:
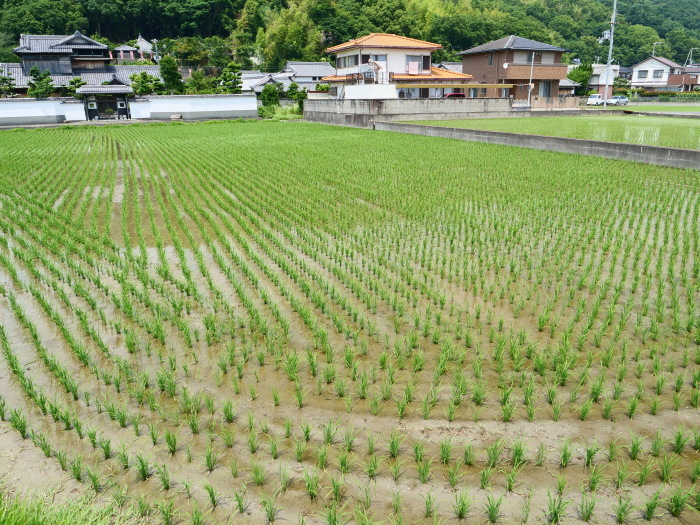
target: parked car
<point>455,95</point>
<point>618,100</point>
<point>596,99</point>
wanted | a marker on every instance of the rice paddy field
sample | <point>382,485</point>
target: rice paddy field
<point>634,129</point>
<point>297,323</point>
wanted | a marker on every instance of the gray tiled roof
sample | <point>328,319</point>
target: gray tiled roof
<point>565,82</point>
<point>512,42</point>
<point>60,44</point>
<point>91,76</point>
<point>310,69</point>
<point>455,67</point>
<point>102,90</point>
<point>125,48</point>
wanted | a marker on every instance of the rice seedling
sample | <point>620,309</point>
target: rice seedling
<point>492,508</point>
<point>586,507</point>
<point>321,296</point>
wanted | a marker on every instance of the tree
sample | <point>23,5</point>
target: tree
<point>581,74</point>
<point>293,91</point>
<point>291,36</point>
<point>145,84</point>
<point>40,84</point>
<point>73,85</point>
<point>230,79</point>
<point>7,86</point>
<point>622,85</point>
<point>198,83</point>
<point>172,79</point>
<point>270,96</point>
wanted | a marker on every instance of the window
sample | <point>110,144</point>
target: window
<point>658,73</point>
<point>483,92</point>
<point>489,59</point>
<point>379,58</point>
<point>642,73</point>
<point>545,89</point>
<point>473,92</point>
<point>426,63</point>
<point>365,59</point>
<point>530,57</point>
<point>347,61</point>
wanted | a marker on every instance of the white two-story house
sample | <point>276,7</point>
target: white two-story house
<point>653,73</point>
<point>385,66</point>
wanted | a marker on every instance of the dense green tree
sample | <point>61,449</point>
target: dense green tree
<point>145,84</point>
<point>582,75</point>
<point>7,86</point>
<point>170,72</point>
<point>292,36</point>
<point>199,83</point>
<point>270,96</point>
<point>212,32</point>
<point>40,85</point>
<point>53,17</point>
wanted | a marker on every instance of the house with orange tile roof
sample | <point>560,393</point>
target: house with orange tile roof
<point>386,66</point>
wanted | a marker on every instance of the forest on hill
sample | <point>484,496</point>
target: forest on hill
<point>207,31</point>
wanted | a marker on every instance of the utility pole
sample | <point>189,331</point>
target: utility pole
<point>653,49</point>
<point>610,50</point>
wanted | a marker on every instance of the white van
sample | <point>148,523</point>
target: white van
<point>596,99</point>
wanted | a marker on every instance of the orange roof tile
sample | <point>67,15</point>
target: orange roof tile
<point>385,40</point>
<point>436,73</point>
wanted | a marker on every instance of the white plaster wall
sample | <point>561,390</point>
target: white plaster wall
<point>31,108</point>
<point>371,92</point>
<point>206,106</point>
<point>73,112</point>
<point>140,109</point>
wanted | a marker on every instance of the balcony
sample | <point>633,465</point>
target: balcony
<point>518,71</point>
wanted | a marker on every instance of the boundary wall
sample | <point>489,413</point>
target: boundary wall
<point>29,111</point>
<point>658,155</point>
<point>361,113</point>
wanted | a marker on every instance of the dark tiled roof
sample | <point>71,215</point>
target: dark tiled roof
<point>60,44</point>
<point>91,76</point>
<point>310,69</point>
<point>455,67</point>
<point>101,90</point>
<point>512,42</point>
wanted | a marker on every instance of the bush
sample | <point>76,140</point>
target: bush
<point>270,95</point>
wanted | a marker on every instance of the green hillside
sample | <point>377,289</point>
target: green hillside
<point>278,30</point>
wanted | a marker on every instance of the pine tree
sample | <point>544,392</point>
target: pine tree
<point>40,84</point>
<point>230,80</point>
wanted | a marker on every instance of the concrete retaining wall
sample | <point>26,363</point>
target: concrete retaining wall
<point>361,113</point>
<point>661,156</point>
